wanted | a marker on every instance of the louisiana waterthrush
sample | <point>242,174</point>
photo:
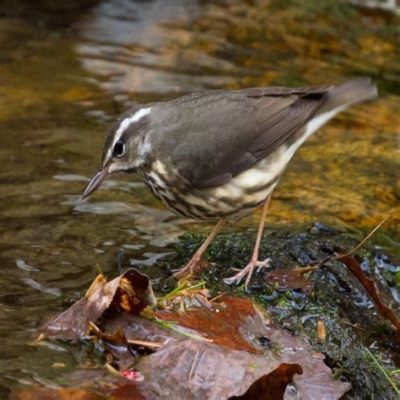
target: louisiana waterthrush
<point>217,155</point>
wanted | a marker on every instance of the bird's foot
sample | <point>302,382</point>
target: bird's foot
<point>247,272</point>
<point>188,270</point>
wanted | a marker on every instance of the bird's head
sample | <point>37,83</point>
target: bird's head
<point>126,147</point>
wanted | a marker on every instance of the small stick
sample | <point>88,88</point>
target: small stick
<point>216,297</point>
<point>193,366</point>
<point>355,326</point>
<point>359,245</point>
<point>145,343</point>
<point>112,370</point>
<point>304,270</point>
<point>354,249</point>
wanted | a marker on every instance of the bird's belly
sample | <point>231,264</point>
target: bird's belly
<point>234,199</point>
<point>240,195</point>
<point>230,201</point>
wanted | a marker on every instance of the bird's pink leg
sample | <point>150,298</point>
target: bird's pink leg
<point>189,268</point>
<point>248,270</point>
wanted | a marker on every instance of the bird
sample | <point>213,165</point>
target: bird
<point>216,155</point>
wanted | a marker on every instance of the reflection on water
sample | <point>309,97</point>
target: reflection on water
<point>60,88</point>
<point>21,264</point>
<point>126,44</point>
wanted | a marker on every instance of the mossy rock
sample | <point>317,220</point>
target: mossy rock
<point>337,298</point>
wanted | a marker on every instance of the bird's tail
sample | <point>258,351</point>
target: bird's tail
<point>351,92</point>
<point>338,98</point>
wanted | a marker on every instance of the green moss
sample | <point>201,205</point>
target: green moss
<point>397,279</point>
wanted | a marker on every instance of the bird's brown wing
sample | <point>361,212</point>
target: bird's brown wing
<point>222,134</point>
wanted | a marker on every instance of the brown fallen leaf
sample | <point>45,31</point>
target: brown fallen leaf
<point>127,392</point>
<point>198,370</point>
<point>221,324</point>
<point>105,388</point>
<point>98,282</point>
<point>369,285</point>
<point>38,393</point>
<point>246,347</point>
<point>271,386</point>
<point>130,292</point>
<point>111,386</point>
<point>289,279</point>
<point>250,355</point>
<point>116,338</point>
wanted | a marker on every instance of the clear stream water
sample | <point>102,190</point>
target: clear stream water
<point>67,71</point>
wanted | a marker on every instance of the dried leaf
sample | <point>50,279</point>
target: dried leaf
<point>199,370</point>
<point>98,282</point>
<point>117,338</point>
<point>369,285</point>
<point>271,386</point>
<point>289,279</point>
<point>129,292</point>
<point>250,357</point>
<point>221,325</point>
<point>35,393</point>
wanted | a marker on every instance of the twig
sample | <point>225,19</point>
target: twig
<point>193,366</point>
<point>304,270</point>
<point>354,249</point>
<point>334,257</point>
<point>112,370</point>
<point>217,297</point>
<point>355,326</point>
<point>144,343</point>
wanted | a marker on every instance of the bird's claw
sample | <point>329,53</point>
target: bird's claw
<point>185,271</point>
<point>247,272</point>
<point>188,270</point>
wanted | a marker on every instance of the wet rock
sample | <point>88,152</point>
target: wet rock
<point>351,321</point>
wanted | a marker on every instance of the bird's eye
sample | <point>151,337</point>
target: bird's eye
<point>119,149</point>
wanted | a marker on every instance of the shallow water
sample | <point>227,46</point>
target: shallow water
<point>65,76</point>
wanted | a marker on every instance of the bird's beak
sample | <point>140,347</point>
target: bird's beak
<point>95,182</point>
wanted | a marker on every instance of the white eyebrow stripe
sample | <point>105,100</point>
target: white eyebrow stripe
<point>124,125</point>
